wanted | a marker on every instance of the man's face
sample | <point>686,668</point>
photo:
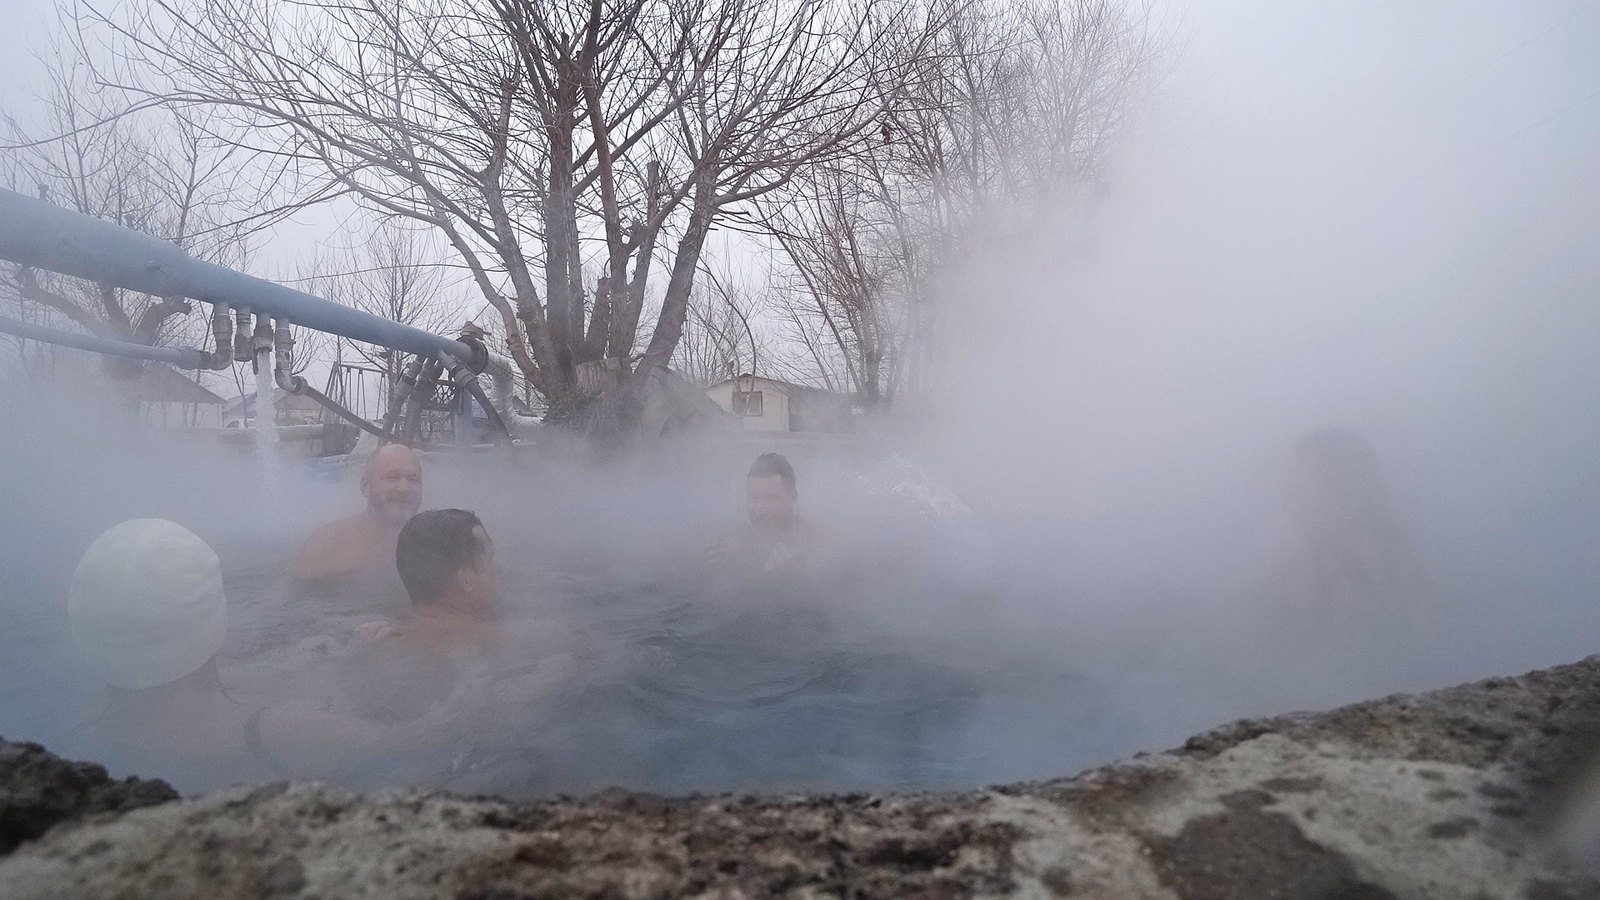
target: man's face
<point>770,502</point>
<point>393,486</point>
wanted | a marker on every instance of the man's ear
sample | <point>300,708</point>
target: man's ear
<point>366,486</point>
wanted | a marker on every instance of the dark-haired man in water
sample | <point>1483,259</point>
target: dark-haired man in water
<point>779,539</point>
<point>455,646</point>
<point>360,548</point>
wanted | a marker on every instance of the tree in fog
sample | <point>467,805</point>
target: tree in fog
<point>1000,137</point>
<point>536,137</point>
<point>718,339</point>
<point>397,275</point>
<point>167,173</point>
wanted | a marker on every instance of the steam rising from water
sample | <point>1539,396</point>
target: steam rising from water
<point>1336,221</point>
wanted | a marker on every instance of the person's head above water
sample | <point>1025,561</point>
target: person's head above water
<point>1336,487</point>
<point>770,492</point>
<point>446,560</point>
<point>392,483</point>
<point>146,604</point>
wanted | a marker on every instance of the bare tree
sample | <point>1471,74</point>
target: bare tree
<point>162,172</point>
<point>527,131</point>
<point>395,273</point>
<point>1002,133</point>
<point>719,340</point>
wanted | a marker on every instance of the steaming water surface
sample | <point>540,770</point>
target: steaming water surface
<point>958,647</point>
<point>665,686</point>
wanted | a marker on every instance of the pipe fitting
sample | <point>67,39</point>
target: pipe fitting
<point>222,337</point>
<point>282,356</point>
<point>243,351</point>
<point>466,382</point>
<point>478,353</point>
<point>283,347</point>
<point>263,336</point>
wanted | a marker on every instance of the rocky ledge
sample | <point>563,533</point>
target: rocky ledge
<point>1453,794</point>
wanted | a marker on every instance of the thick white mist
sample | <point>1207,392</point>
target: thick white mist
<point>1370,217</point>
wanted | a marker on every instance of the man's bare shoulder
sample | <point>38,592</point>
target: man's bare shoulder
<point>349,525</point>
<point>328,544</point>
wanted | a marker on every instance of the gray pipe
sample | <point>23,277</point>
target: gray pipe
<point>221,335</point>
<point>39,234</point>
<point>426,383</point>
<point>401,393</point>
<point>243,346</point>
<point>182,357</point>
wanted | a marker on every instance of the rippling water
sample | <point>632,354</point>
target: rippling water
<point>671,688</point>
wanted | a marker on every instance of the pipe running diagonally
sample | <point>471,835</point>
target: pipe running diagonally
<point>37,233</point>
<point>282,373</point>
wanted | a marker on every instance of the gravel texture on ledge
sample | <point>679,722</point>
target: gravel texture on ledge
<point>1451,794</point>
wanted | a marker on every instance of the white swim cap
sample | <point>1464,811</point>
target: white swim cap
<point>146,603</point>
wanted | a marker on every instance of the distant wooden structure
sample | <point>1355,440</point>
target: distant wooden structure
<point>171,399</point>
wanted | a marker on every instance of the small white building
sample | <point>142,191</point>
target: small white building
<point>767,404</point>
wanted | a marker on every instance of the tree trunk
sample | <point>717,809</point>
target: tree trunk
<point>625,320</point>
<point>562,304</point>
<point>675,306</point>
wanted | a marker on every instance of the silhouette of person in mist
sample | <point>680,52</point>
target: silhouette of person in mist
<point>1345,584</point>
<point>779,539</point>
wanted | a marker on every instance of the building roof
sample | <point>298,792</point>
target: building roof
<point>789,386</point>
<point>163,384</point>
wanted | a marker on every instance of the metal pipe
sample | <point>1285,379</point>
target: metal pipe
<point>426,383</point>
<point>182,357</point>
<point>282,347</point>
<point>466,380</point>
<point>266,402</point>
<point>221,336</point>
<point>504,384</point>
<point>300,387</point>
<point>243,347</point>
<point>402,392</point>
<point>36,233</point>
<point>283,357</point>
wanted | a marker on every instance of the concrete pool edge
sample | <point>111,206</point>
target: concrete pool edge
<point>1452,793</point>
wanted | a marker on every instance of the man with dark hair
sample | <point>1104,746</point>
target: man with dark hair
<point>779,539</point>
<point>446,561</point>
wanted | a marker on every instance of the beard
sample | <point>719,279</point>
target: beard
<point>397,509</point>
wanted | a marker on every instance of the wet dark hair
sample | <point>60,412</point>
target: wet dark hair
<point>770,464</point>
<point>434,545</point>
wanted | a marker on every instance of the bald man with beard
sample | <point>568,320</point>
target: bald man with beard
<point>360,548</point>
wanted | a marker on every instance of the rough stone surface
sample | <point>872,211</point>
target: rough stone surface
<point>1452,794</point>
<point>39,789</point>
